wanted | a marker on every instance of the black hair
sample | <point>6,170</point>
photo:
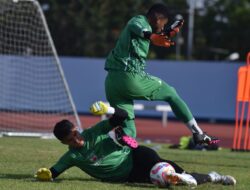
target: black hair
<point>158,9</point>
<point>63,129</point>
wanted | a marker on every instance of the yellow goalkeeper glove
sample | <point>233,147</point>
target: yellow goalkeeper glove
<point>99,108</point>
<point>43,174</point>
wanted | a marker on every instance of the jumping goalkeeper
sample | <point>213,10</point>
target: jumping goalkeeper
<point>94,152</point>
<point>127,80</point>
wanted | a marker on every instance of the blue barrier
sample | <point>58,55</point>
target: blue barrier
<point>209,88</point>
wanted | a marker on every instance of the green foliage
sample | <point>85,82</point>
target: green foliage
<point>91,28</point>
<point>21,157</point>
<point>223,29</point>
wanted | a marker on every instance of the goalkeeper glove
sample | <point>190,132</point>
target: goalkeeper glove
<point>100,108</point>
<point>172,30</point>
<point>43,174</point>
<point>160,40</point>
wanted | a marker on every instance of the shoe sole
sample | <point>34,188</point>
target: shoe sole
<point>130,142</point>
<point>214,141</point>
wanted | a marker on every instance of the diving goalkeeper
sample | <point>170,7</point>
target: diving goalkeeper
<point>127,80</point>
<point>95,153</point>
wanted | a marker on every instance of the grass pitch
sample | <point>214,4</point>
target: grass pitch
<point>21,157</point>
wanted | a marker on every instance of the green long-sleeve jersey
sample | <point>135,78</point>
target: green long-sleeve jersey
<point>132,48</point>
<point>100,157</point>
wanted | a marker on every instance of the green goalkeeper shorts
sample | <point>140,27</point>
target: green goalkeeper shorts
<point>122,88</point>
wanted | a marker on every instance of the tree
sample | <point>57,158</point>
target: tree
<point>225,29</point>
<point>91,27</point>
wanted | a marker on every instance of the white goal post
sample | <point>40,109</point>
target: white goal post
<point>34,93</point>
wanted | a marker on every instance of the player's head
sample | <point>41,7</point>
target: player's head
<point>68,134</point>
<point>158,17</point>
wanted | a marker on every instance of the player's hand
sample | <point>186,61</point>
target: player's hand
<point>43,174</point>
<point>173,29</point>
<point>161,40</point>
<point>99,108</point>
<point>174,32</point>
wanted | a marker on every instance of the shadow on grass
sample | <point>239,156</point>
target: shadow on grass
<point>77,179</point>
<point>141,185</point>
<point>28,177</point>
<point>31,178</point>
<point>15,176</point>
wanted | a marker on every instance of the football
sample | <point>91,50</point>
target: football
<point>159,172</point>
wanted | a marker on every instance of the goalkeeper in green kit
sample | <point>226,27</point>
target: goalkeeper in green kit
<point>127,80</point>
<point>95,153</point>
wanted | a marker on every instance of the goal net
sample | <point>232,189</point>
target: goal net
<point>34,94</point>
